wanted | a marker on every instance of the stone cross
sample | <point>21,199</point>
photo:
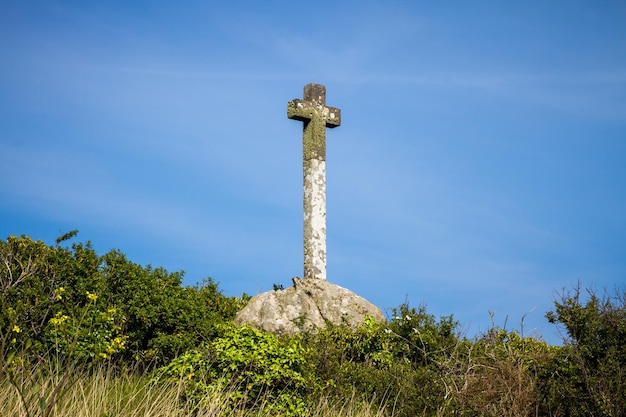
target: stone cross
<point>316,117</point>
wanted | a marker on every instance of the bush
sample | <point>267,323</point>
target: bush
<point>27,282</point>
<point>254,367</point>
<point>497,374</point>
<point>591,369</point>
<point>61,299</point>
<point>396,362</point>
<point>163,319</point>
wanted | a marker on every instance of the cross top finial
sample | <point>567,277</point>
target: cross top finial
<point>315,93</point>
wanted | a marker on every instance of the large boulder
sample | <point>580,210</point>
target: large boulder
<point>306,306</point>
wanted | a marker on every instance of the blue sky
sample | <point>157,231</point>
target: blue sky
<point>480,165</point>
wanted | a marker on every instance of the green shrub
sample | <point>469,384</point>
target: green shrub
<point>395,362</point>
<point>590,370</point>
<point>86,333</point>
<point>253,366</point>
<point>422,340</point>
<point>163,319</point>
<point>27,283</point>
<point>498,374</point>
<point>44,302</point>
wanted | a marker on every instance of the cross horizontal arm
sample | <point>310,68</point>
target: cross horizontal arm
<point>306,110</point>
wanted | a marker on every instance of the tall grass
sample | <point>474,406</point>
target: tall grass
<point>102,392</point>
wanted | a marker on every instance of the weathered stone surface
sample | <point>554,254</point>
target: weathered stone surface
<point>306,306</point>
<point>315,219</point>
<point>316,117</point>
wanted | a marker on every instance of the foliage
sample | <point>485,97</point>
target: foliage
<point>78,303</point>
<point>591,369</point>
<point>163,319</point>
<point>396,361</point>
<point>66,312</point>
<point>253,366</point>
<point>25,296</point>
<point>424,339</point>
<point>94,334</point>
<point>496,374</point>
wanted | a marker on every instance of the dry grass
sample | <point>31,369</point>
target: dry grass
<point>101,393</point>
<point>497,381</point>
<point>97,394</point>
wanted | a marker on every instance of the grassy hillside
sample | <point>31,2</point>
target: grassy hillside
<point>98,335</point>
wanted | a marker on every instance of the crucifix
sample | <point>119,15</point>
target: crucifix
<point>316,117</point>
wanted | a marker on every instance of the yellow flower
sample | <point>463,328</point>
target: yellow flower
<point>16,329</point>
<point>58,293</point>
<point>116,345</point>
<point>120,342</point>
<point>58,319</point>
<point>91,296</point>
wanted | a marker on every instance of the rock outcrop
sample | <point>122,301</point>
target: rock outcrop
<point>306,306</point>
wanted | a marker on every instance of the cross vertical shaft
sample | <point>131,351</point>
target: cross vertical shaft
<point>316,117</point>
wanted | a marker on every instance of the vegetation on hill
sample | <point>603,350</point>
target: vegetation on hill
<point>87,334</point>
